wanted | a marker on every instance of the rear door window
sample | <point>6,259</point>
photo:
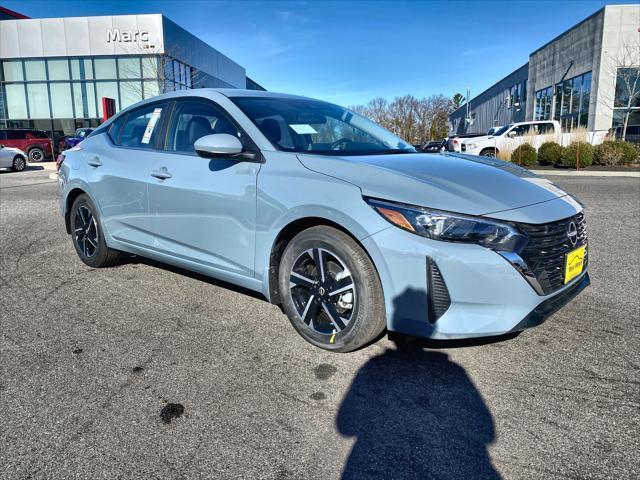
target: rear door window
<point>142,127</point>
<point>16,135</point>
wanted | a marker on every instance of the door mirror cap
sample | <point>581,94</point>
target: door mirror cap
<point>218,145</point>
<point>511,134</point>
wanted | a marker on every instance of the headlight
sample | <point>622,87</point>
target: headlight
<point>470,145</point>
<point>451,227</point>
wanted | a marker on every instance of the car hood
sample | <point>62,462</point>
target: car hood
<point>453,182</point>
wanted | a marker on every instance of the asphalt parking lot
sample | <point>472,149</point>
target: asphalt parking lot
<point>90,359</point>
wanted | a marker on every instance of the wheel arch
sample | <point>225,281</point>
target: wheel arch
<point>493,149</point>
<point>284,237</point>
<point>71,197</point>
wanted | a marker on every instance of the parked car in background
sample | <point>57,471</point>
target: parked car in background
<point>12,158</point>
<point>454,142</point>
<point>327,214</point>
<point>512,135</point>
<point>435,147</point>
<point>71,141</point>
<point>36,143</point>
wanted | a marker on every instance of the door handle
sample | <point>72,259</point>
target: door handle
<point>161,174</point>
<point>94,162</point>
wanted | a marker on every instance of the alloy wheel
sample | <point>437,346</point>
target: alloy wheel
<point>323,291</point>
<point>86,231</point>
<point>18,164</point>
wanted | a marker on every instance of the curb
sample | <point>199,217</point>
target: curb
<point>586,173</point>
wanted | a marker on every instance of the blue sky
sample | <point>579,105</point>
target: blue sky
<point>350,52</point>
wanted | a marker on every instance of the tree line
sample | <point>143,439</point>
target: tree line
<point>412,119</point>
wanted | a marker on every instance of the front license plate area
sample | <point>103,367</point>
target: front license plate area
<point>574,263</point>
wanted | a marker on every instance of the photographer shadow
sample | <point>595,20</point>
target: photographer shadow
<point>415,415</point>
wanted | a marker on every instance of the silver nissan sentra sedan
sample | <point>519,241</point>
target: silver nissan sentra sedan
<point>327,214</point>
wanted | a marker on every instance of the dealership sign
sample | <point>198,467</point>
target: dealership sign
<point>127,36</point>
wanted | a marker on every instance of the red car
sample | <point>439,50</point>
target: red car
<point>35,143</point>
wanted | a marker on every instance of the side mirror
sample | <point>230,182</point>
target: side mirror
<point>511,134</point>
<point>221,145</point>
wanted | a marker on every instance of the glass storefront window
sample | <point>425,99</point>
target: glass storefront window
<point>12,71</point>
<point>627,88</point>
<point>575,94</point>
<point>38,99</point>
<point>129,67</point>
<point>151,88</point>
<point>130,93</point>
<point>58,69</point>
<point>84,99</point>
<point>151,67</point>
<point>16,101</point>
<point>87,66</point>
<point>35,70</point>
<point>61,105</point>
<point>109,90</point>
<point>105,68</point>
<point>586,92</point>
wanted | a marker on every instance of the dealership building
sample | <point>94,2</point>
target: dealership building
<point>580,78</point>
<point>54,72</point>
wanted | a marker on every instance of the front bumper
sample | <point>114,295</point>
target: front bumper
<point>552,305</point>
<point>488,296</point>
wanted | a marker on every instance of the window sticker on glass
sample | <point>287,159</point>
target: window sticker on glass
<point>302,129</point>
<point>151,125</point>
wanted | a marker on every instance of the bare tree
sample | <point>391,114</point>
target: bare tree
<point>415,120</point>
<point>624,66</point>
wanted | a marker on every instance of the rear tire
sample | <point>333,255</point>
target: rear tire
<point>488,152</point>
<point>340,306</point>
<point>87,235</point>
<point>19,163</point>
<point>36,154</point>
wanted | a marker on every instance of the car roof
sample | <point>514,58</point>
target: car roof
<point>204,93</point>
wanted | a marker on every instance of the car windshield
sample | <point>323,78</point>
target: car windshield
<point>502,130</point>
<point>315,127</point>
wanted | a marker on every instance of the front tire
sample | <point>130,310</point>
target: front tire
<point>36,154</point>
<point>87,236</point>
<point>330,290</point>
<point>19,163</point>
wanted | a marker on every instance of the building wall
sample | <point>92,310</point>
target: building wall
<point>620,38</point>
<point>78,36</point>
<point>573,53</point>
<point>491,108</point>
<point>182,45</point>
<point>54,71</point>
<point>592,46</point>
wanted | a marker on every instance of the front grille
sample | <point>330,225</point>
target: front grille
<point>547,248</point>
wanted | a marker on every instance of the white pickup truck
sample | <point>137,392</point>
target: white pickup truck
<point>512,135</point>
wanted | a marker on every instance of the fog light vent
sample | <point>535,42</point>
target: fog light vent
<point>438,295</point>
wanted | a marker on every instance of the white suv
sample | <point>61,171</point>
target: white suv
<point>512,135</point>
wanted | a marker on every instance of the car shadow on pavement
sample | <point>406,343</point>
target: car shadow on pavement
<point>415,414</point>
